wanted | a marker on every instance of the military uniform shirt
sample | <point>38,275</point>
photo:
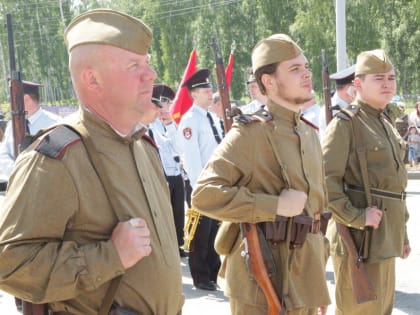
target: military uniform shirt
<point>242,183</point>
<point>386,171</point>
<point>198,142</point>
<point>59,249</point>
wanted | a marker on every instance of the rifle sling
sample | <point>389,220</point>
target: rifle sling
<point>97,164</point>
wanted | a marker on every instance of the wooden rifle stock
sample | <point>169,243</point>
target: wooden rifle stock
<point>16,93</point>
<point>326,87</point>
<point>257,267</point>
<point>255,257</point>
<point>361,284</point>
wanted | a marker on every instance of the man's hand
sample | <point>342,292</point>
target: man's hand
<point>132,241</point>
<point>322,310</point>
<point>406,251</point>
<point>291,202</point>
<point>373,216</point>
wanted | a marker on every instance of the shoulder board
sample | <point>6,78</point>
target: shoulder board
<point>309,123</point>
<point>55,143</point>
<point>259,116</point>
<point>150,140</point>
<point>348,113</point>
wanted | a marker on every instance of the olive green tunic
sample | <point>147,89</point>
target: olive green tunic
<point>56,223</point>
<point>242,182</point>
<point>386,170</point>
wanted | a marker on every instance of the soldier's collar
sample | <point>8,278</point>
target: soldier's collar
<point>281,112</point>
<point>369,109</point>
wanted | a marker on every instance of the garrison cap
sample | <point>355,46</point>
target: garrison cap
<point>344,76</point>
<point>109,27</point>
<point>200,79</point>
<point>251,77</point>
<point>373,61</point>
<point>274,49</point>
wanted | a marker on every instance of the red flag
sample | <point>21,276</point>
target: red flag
<point>228,70</point>
<point>183,101</point>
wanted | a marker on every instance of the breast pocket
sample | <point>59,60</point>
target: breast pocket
<point>378,155</point>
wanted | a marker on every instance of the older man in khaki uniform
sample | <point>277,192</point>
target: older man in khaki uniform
<point>61,240</point>
<point>269,171</point>
<point>363,152</point>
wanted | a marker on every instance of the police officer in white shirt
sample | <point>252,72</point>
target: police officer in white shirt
<point>258,99</point>
<point>200,135</point>
<point>165,134</point>
<point>36,119</point>
<point>345,91</point>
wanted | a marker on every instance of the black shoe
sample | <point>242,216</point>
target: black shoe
<point>182,253</point>
<point>209,286</point>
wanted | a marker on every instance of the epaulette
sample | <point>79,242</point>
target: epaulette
<point>309,123</point>
<point>55,143</point>
<point>348,112</point>
<point>259,116</point>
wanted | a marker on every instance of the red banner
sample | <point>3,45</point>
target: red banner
<point>183,101</point>
<point>228,70</point>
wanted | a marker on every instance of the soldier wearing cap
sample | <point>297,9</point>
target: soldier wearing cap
<point>377,166</point>
<point>258,99</point>
<point>164,132</point>
<point>344,90</point>
<point>251,177</point>
<point>80,244</point>
<point>200,135</point>
<point>36,119</point>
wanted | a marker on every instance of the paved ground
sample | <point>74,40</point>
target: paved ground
<point>407,287</point>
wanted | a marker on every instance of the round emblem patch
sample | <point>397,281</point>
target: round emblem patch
<point>187,133</point>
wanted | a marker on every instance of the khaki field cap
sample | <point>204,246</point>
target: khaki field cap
<point>373,61</point>
<point>276,48</point>
<point>109,27</point>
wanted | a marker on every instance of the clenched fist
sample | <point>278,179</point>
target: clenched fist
<point>291,202</point>
<point>132,241</point>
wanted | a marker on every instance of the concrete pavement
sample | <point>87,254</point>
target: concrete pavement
<point>407,295</point>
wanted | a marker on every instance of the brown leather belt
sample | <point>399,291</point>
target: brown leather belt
<point>379,192</point>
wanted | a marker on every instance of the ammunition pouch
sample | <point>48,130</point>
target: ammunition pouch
<point>226,237</point>
<point>301,225</point>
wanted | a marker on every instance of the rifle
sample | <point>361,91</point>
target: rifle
<point>360,281</point>
<point>16,93</point>
<point>326,89</point>
<point>253,251</point>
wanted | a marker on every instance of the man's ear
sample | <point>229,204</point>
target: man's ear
<point>90,78</point>
<point>267,81</point>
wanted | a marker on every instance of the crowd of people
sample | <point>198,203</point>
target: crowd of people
<point>94,213</point>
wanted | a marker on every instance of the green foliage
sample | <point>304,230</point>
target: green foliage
<point>38,27</point>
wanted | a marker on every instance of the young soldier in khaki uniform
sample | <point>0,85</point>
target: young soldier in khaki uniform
<point>267,168</point>
<point>383,150</point>
<point>61,241</point>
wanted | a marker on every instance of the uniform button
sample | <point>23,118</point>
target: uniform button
<point>119,272</point>
<point>98,279</point>
<point>376,149</point>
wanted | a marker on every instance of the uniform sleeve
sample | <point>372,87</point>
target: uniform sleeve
<point>191,150</point>
<point>221,191</point>
<point>38,260</point>
<point>7,160</point>
<point>336,147</point>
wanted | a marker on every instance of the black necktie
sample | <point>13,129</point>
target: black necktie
<point>222,125</point>
<point>150,132</point>
<point>27,130</point>
<point>213,127</point>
